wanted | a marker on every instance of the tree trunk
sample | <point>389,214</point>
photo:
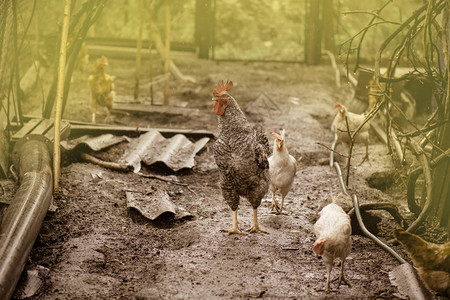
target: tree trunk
<point>313,40</point>
<point>328,26</point>
<point>203,28</point>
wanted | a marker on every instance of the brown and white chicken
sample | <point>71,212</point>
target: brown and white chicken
<point>431,260</point>
<point>282,168</point>
<point>339,126</point>
<point>102,88</point>
<point>240,151</point>
<point>333,230</point>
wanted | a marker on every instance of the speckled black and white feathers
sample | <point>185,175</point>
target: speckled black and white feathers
<point>241,151</point>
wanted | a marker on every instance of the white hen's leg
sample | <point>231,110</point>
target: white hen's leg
<point>366,157</point>
<point>341,275</point>
<point>281,206</point>
<point>274,203</point>
<point>93,118</point>
<point>328,277</point>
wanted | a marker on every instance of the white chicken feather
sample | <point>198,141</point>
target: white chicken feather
<point>282,169</point>
<point>339,126</point>
<point>333,230</point>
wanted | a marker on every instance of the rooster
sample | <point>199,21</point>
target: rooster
<point>432,260</point>
<point>339,126</point>
<point>240,152</point>
<point>102,88</point>
<point>282,168</point>
<point>333,231</point>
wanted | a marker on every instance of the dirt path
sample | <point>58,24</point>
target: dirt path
<point>94,247</point>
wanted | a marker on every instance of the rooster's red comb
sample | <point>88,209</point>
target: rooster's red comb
<point>337,105</point>
<point>222,87</point>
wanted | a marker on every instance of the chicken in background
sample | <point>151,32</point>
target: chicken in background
<point>431,260</point>
<point>333,230</point>
<point>102,88</point>
<point>240,151</point>
<point>282,168</point>
<point>339,126</point>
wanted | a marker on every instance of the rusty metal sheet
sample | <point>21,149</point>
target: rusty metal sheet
<point>155,204</point>
<point>177,153</point>
<point>96,143</point>
<point>404,278</point>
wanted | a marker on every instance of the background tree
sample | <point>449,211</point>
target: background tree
<point>203,27</point>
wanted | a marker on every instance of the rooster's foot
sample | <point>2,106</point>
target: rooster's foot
<point>232,230</point>
<point>255,228</point>
<point>281,213</point>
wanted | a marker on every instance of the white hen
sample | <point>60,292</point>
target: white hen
<point>282,168</point>
<point>339,126</point>
<point>333,232</point>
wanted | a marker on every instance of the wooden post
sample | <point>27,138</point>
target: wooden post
<point>59,96</point>
<point>167,56</point>
<point>150,45</point>
<point>139,50</point>
<point>313,41</point>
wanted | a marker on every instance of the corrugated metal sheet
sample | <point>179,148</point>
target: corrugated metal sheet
<point>177,153</point>
<point>96,143</point>
<point>155,204</point>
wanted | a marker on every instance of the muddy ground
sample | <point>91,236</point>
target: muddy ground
<point>94,247</point>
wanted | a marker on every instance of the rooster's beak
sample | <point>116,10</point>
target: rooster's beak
<point>214,98</point>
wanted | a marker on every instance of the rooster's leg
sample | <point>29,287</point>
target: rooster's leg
<point>93,118</point>
<point>255,226</point>
<point>235,228</point>
<point>274,203</point>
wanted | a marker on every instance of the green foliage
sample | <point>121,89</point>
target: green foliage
<point>259,29</point>
<point>250,29</point>
<point>354,16</point>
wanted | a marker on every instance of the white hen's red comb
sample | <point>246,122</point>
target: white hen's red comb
<point>277,136</point>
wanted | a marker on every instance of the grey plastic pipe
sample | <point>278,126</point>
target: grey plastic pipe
<point>24,216</point>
